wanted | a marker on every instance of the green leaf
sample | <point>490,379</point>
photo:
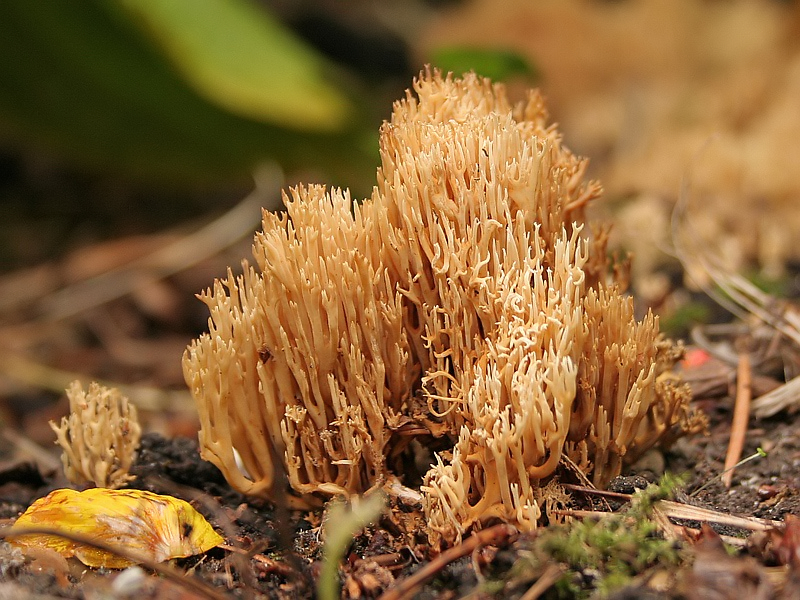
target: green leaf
<point>81,82</point>
<point>342,524</point>
<point>237,56</point>
<point>495,63</point>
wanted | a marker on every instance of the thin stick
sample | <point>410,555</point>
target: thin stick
<point>25,445</point>
<point>741,415</point>
<point>596,492</point>
<point>240,558</point>
<point>491,536</point>
<point>181,578</point>
<point>677,510</point>
<point>173,258</point>
<point>545,582</point>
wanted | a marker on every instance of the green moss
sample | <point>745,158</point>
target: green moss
<point>678,323</point>
<point>602,554</point>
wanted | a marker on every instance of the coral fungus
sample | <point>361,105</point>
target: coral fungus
<point>466,300</point>
<point>100,436</point>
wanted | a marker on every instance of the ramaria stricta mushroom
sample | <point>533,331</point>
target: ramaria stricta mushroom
<point>99,438</point>
<point>466,301</point>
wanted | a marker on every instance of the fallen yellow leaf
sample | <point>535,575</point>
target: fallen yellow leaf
<point>150,525</point>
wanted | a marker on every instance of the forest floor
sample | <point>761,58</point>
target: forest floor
<point>617,549</point>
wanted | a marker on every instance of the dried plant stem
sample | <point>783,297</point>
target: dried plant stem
<point>741,415</point>
<point>173,258</point>
<point>785,397</point>
<point>44,458</point>
<point>491,536</point>
<point>736,294</point>
<point>679,510</point>
<point>597,492</point>
<point>676,532</point>
<point>551,574</point>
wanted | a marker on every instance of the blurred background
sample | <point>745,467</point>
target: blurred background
<point>139,139</point>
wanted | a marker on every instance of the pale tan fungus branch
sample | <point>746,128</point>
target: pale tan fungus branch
<point>100,436</point>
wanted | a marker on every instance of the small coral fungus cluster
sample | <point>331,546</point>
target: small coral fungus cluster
<point>465,301</point>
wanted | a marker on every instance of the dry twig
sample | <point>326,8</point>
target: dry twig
<point>163,569</point>
<point>173,258</point>
<point>491,536</point>
<point>741,416</point>
<point>678,510</point>
<point>551,574</point>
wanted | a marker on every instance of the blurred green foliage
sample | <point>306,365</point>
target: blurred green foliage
<point>173,91</point>
<point>239,58</point>
<point>679,322</point>
<point>496,63</point>
<point>779,287</point>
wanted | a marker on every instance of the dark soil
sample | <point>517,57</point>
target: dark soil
<point>767,487</point>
